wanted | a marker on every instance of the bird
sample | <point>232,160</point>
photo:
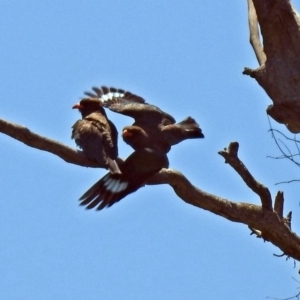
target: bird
<point>161,129</point>
<point>95,134</point>
<point>140,166</point>
<point>147,118</point>
<point>172,134</point>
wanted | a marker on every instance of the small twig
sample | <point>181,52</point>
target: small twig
<point>282,156</point>
<point>288,220</point>
<point>258,233</point>
<point>250,72</point>
<point>296,143</point>
<point>295,280</point>
<point>279,255</point>
<point>278,204</point>
<point>286,147</point>
<point>288,138</point>
<point>293,297</point>
<point>289,156</point>
<point>289,181</point>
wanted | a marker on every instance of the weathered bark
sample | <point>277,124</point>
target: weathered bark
<point>279,58</point>
<point>266,222</point>
<point>34,140</point>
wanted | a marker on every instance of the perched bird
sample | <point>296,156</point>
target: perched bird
<point>95,134</point>
<point>160,129</point>
<point>141,165</point>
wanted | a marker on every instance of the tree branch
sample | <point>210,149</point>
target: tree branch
<point>278,205</point>
<point>232,159</point>
<point>279,75</point>
<point>270,224</point>
<point>254,34</point>
<point>272,228</point>
<point>34,140</point>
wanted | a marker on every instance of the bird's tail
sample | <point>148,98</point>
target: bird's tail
<point>105,192</point>
<point>91,193</point>
<point>190,129</point>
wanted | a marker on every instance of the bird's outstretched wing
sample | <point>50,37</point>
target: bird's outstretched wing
<point>105,93</point>
<point>129,104</point>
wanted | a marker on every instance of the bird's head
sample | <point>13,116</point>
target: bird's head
<point>89,105</point>
<point>135,136</point>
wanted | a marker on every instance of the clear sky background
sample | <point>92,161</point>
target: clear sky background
<point>186,57</point>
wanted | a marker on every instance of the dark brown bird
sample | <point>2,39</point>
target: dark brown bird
<point>159,128</point>
<point>172,134</point>
<point>141,165</point>
<point>95,134</point>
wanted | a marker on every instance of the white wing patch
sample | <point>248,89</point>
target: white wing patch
<point>123,185</point>
<point>115,185</point>
<point>110,96</point>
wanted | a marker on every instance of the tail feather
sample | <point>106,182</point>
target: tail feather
<point>90,193</point>
<point>186,129</point>
<point>191,128</point>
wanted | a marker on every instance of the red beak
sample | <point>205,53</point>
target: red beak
<point>77,106</point>
<point>126,133</point>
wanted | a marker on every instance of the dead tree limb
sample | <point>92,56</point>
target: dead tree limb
<point>34,140</point>
<point>270,224</point>
<point>279,73</point>
<point>255,34</point>
<point>232,159</point>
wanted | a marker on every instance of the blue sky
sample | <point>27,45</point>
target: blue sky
<point>187,58</point>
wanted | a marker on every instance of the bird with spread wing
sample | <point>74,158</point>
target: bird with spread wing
<point>152,135</point>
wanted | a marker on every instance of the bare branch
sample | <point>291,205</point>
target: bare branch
<point>271,226</point>
<point>279,25</point>
<point>289,181</point>
<point>254,34</point>
<point>34,140</point>
<point>289,298</point>
<point>287,152</point>
<point>232,159</point>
